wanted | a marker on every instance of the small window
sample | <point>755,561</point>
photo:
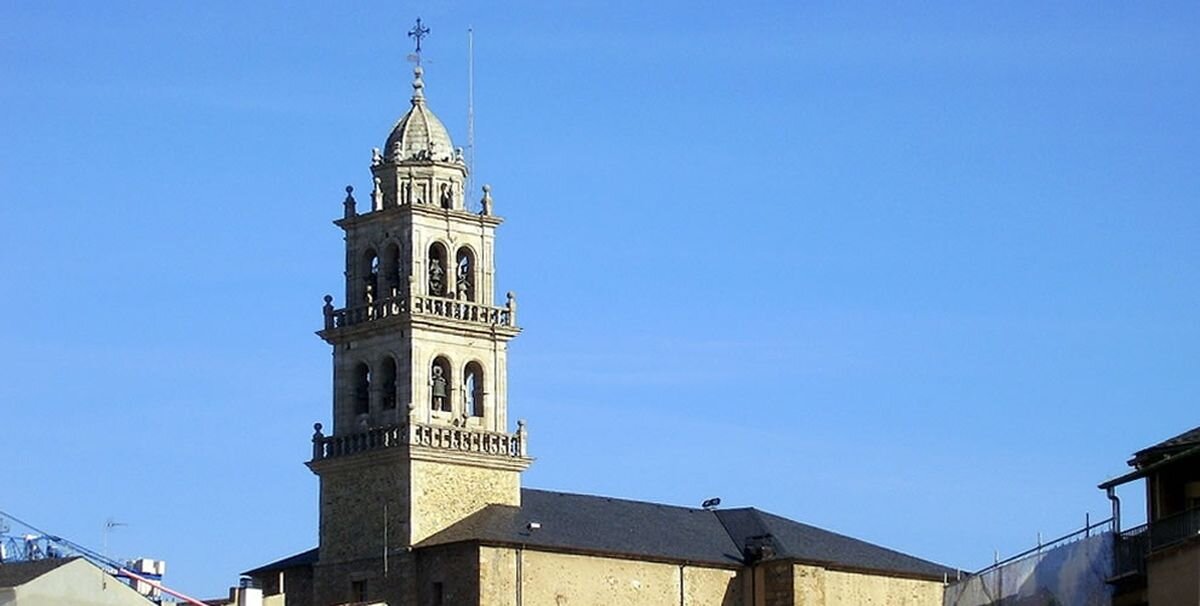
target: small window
<point>358,591</point>
<point>438,595</point>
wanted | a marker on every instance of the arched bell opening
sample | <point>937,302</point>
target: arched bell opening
<point>362,389</point>
<point>473,389</point>
<point>387,378</point>
<point>464,274</point>
<point>370,273</point>
<point>437,270</point>
<point>439,385</point>
<point>391,270</point>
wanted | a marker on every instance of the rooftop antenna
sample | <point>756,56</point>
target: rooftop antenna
<point>470,110</point>
<point>110,524</point>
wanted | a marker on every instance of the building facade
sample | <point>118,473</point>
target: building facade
<point>421,502</point>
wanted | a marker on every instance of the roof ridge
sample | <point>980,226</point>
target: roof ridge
<point>623,499</point>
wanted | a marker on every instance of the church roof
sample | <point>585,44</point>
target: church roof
<point>419,135</point>
<point>622,528</point>
<point>13,574</point>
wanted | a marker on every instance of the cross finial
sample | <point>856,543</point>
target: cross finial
<point>418,33</point>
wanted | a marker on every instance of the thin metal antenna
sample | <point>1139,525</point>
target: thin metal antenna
<point>470,113</point>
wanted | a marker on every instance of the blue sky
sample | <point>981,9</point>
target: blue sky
<point>920,275</point>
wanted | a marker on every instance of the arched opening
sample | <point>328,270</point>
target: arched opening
<point>437,270</point>
<point>362,389</point>
<point>464,274</point>
<point>439,385</point>
<point>370,269</point>
<point>387,374</point>
<point>473,389</point>
<point>391,268</point>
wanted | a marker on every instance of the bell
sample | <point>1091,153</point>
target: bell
<point>439,387</point>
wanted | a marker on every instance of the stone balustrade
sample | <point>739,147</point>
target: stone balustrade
<point>440,437</point>
<point>420,305</point>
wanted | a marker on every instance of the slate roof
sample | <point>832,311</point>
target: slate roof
<point>623,528</point>
<point>304,558</point>
<point>13,574</point>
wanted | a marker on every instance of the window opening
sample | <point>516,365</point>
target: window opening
<point>362,389</point>
<point>439,384</point>
<point>437,270</point>
<point>473,388</point>
<point>389,383</point>
<point>464,284</point>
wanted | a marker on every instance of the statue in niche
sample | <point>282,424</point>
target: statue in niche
<point>406,192</point>
<point>437,277</point>
<point>438,385</point>
<point>462,283</point>
<point>397,154</point>
<point>376,157</point>
<point>447,197</point>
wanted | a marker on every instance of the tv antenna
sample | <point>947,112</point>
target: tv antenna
<point>470,111</point>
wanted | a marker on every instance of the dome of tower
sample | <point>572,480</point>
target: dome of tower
<point>419,135</point>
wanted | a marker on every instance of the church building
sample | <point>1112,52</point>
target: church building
<point>421,502</point>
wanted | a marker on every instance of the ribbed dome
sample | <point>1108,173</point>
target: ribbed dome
<point>419,135</point>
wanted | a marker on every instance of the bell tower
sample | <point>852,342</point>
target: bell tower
<point>420,435</point>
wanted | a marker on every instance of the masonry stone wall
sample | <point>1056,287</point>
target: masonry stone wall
<point>444,493</point>
<point>353,501</point>
<point>816,586</point>
<point>451,571</point>
<point>525,577</point>
<point>394,583</point>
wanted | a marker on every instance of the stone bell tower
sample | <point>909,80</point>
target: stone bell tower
<point>420,435</point>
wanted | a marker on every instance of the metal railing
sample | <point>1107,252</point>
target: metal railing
<point>1088,530</point>
<point>1174,528</point>
<point>1129,551</point>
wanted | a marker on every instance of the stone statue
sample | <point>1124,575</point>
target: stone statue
<point>377,195</point>
<point>376,157</point>
<point>437,277</point>
<point>447,197</point>
<point>486,202</point>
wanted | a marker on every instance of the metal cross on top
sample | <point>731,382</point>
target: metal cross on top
<point>418,32</point>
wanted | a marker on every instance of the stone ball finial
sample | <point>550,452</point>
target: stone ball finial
<point>317,427</point>
<point>349,190</point>
<point>328,299</point>
<point>510,295</point>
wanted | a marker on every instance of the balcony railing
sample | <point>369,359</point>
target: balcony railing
<point>1129,552</point>
<point>1175,528</point>
<point>441,437</point>
<point>421,305</point>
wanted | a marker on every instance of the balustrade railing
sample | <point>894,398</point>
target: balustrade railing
<point>1174,528</point>
<point>465,311</point>
<point>442,437</point>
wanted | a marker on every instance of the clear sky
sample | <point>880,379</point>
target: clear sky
<point>920,275</point>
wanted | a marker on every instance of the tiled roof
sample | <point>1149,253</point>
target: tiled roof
<point>1169,446</point>
<point>13,574</point>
